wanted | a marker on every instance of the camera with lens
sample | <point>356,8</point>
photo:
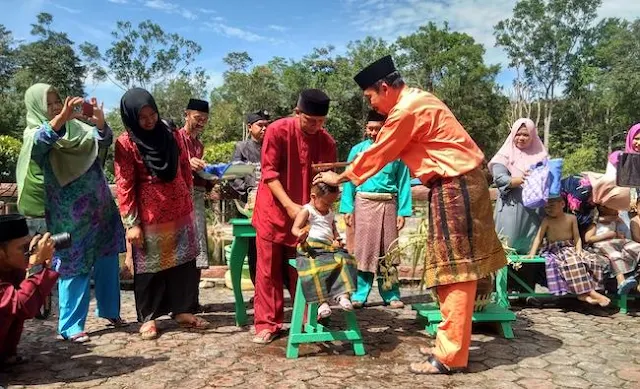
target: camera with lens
<point>61,241</point>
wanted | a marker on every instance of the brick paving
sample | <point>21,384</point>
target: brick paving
<point>563,346</point>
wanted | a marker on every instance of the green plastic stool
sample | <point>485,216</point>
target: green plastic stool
<point>314,332</point>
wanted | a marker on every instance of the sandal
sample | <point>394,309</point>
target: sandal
<point>357,304</point>
<point>80,337</point>
<point>627,285</point>
<point>197,323</point>
<point>265,337</point>
<point>395,304</point>
<point>118,322</point>
<point>149,331</point>
<point>427,367</point>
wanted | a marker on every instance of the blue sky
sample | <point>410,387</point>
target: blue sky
<point>270,28</point>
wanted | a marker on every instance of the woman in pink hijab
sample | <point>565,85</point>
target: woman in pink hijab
<point>514,222</point>
<point>633,146</point>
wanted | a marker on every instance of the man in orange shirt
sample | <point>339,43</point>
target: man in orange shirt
<point>462,246</point>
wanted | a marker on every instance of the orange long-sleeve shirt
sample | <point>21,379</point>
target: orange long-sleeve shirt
<point>425,135</point>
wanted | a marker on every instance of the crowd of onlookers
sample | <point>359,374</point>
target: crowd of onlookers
<point>587,232</point>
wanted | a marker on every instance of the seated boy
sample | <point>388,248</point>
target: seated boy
<point>569,269</point>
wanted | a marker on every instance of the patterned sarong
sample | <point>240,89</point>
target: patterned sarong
<point>202,260</point>
<point>620,255</point>
<point>324,271</point>
<point>462,244</point>
<point>570,272</point>
<point>375,230</point>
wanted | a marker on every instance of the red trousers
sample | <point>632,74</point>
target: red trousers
<point>272,270</point>
<point>10,339</point>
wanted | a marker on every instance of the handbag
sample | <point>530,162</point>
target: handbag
<point>628,174</point>
<point>535,190</point>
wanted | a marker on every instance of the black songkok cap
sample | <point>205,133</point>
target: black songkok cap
<point>374,116</point>
<point>198,105</point>
<point>314,102</point>
<point>375,72</point>
<point>257,116</point>
<point>12,227</point>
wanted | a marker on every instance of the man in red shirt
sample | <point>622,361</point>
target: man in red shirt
<point>291,145</point>
<point>196,118</point>
<point>20,297</point>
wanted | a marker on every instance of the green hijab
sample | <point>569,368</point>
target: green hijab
<point>71,156</point>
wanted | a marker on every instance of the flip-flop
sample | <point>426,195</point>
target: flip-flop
<point>117,323</point>
<point>150,333</point>
<point>265,337</point>
<point>627,285</point>
<point>80,337</point>
<point>197,323</point>
<point>424,367</point>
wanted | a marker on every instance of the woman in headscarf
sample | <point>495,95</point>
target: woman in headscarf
<point>60,178</point>
<point>609,234</point>
<point>633,146</point>
<point>154,182</point>
<point>516,223</point>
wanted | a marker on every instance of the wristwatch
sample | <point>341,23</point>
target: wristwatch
<point>35,269</point>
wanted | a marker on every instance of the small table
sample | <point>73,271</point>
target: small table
<point>242,232</point>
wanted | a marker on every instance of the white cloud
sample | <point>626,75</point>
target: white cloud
<point>234,32</point>
<point>118,1</point>
<point>170,8</point>
<point>188,14</point>
<point>70,10</point>
<point>276,27</point>
<point>161,5</point>
<point>207,11</point>
<point>477,18</point>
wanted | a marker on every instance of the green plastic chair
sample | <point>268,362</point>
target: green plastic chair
<point>314,332</point>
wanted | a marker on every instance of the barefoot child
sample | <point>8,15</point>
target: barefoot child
<point>569,269</point>
<point>325,269</point>
<point>611,239</point>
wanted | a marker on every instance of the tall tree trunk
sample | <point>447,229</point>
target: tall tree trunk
<point>547,123</point>
<point>607,120</point>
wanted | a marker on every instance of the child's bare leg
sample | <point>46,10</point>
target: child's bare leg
<point>620,279</point>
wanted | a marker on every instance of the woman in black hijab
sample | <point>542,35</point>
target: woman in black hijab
<point>154,182</point>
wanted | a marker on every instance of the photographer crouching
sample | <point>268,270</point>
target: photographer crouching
<point>25,281</point>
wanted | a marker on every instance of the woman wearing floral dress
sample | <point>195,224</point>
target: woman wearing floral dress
<point>154,182</point>
<point>60,176</point>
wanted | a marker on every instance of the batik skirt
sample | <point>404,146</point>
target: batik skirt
<point>462,244</point>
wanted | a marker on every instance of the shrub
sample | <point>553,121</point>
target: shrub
<point>219,152</point>
<point>9,152</point>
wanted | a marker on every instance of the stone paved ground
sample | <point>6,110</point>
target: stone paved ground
<point>566,346</point>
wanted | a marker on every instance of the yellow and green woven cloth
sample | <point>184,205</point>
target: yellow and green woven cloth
<point>324,271</point>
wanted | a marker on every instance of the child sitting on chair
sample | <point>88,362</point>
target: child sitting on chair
<point>611,239</point>
<point>569,269</point>
<point>325,269</point>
